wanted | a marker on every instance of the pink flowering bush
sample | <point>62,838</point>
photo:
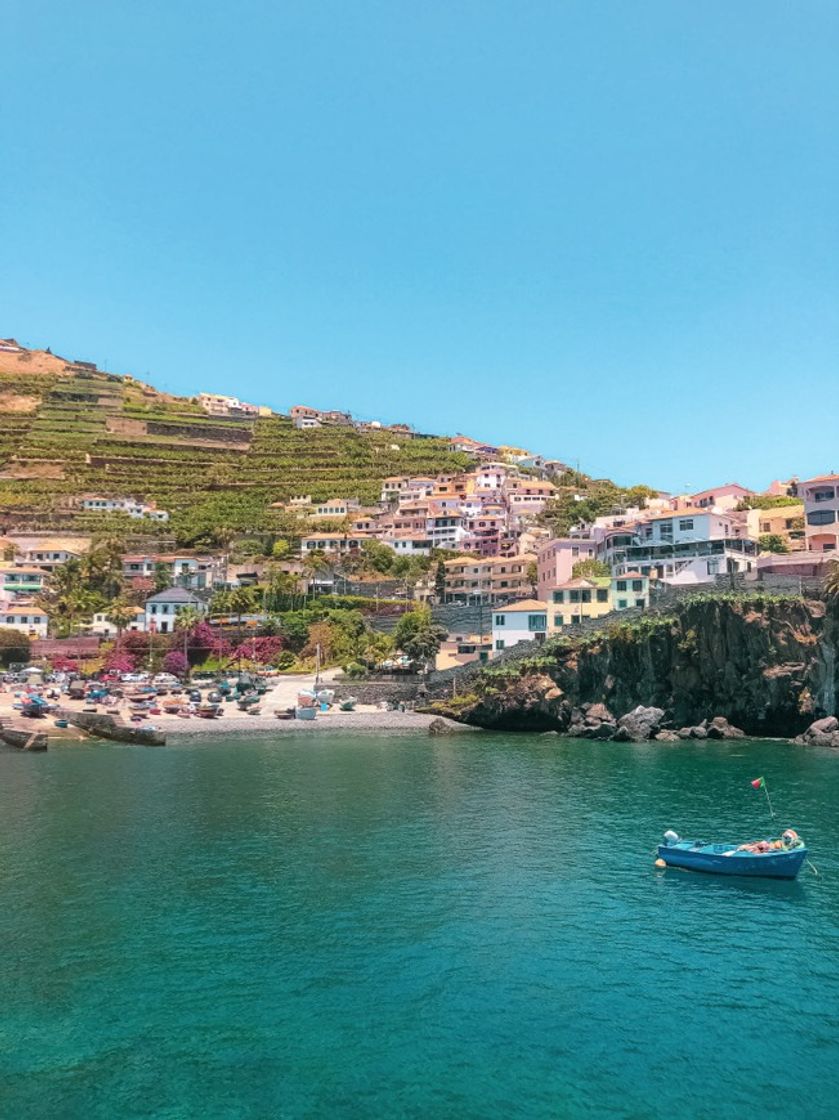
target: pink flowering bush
<point>262,651</point>
<point>118,661</point>
<point>175,663</point>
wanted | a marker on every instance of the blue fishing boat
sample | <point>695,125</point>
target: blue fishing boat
<point>780,858</point>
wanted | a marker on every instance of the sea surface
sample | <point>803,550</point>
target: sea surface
<point>361,926</point>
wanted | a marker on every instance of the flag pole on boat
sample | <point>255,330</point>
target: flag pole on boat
<point>760,783</point>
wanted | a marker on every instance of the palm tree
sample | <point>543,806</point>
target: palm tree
<point>103,565</point>
<point>831,582</point>
<point>242,601</point>
<point>186,620</point>
<point>220,602</point>
<point>119,614</point>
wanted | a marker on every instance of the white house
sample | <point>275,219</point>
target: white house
<point>21,614</point>
<point>409,544</point>
<point>162,609</point>
<point>49,558</point>
<point>19,580</point>
<point>106,629</point>
<point>130,506</point>
<point>525,621</point>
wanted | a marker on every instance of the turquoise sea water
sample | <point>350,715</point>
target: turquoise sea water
<point>347,926</point>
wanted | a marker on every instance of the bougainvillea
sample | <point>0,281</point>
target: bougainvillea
<point>174,662</point>
<point>64,665</point>
<point>119,661</point>
<point>204,642</point>
<point>262,651</point>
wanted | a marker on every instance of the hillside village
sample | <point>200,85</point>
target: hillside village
<point>126,511</point>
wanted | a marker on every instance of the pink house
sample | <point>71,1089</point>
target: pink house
<point>723,497</point>
<point>821,512</point>
<point>555,561</point>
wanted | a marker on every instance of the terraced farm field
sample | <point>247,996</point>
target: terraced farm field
<point>69,433</point>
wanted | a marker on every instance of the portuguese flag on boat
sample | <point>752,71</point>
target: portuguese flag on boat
<point>759,783</point>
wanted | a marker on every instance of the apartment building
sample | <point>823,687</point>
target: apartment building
<point>494,579</point>
<point>555,561</point>
<point>820,496</point>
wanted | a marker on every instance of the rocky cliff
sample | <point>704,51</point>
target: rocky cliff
<point>766,663</point>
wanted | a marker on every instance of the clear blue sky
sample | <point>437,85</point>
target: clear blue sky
<point>606,230</point>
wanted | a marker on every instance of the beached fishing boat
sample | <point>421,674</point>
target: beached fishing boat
<point>780,858</point>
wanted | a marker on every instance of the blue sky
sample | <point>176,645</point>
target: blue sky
<point>604,230</point>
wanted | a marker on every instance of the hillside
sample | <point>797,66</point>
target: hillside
<point>66,429</point>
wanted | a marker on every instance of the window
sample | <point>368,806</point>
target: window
<point>640,603</point>
<point>602,595</point>
<point>537,622</point>
<point>821,517</point>
<point>621,585</point>
<point>573,596</point>
<point>637,585</point>
<point>500,620</point>
<point>585,596</point>
<point>666,530</point>
<point>824,494</point>
<point>499,644</point>
<point>154,608</point>
<point>686,525</point>
<point>557,620</point>
<point>559,596</point>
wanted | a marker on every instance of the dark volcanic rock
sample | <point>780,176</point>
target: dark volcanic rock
<point>766,663</point>
<point>822,733</point>
<point>720,728</point>
<point>439,727</point>
<point>640,724</point>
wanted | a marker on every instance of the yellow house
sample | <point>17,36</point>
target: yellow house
<point>577,599</point>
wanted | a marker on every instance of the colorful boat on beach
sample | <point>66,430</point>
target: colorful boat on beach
<point>780,858</point>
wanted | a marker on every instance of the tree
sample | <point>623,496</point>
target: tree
<point>378,557</point>
<point>418,635</point>
<point>186,620</point>
<point>119,614</point>
<point>220,603</point>
<point>102,565</point>
<point>532,576</point>
<point>14,646</point>
<point>280,549</point>
<point>242,601</point>
<point>831,582</point>
<point>772,542</point>
<point>162,576</point>
<point>294,628</point>
<point>315,561</point>
<point>321,639</point>
<point>440,581</point>
<point>591,569</point>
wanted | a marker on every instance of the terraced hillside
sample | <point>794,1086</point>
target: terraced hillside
<point>66,430</point>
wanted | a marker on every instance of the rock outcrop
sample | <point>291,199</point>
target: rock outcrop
<point>717,667</point>
<point>821,733</point>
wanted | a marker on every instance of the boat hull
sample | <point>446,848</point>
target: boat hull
<point>763,865</point>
